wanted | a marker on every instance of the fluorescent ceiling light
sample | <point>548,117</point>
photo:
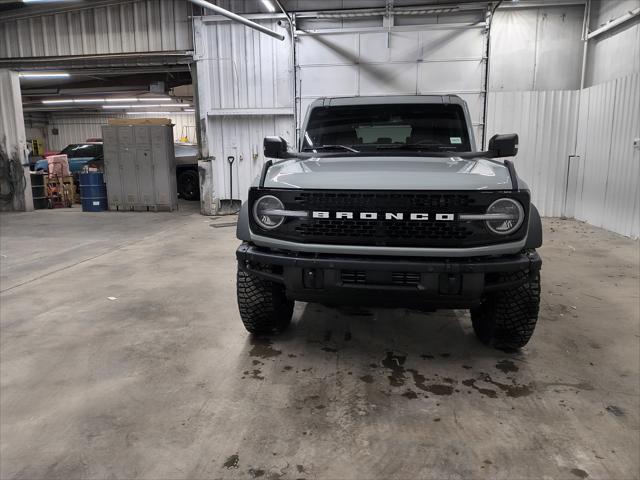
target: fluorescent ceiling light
<point>133,99</point>
<point>88,100</point>
<point>157,99</point>
<point>154,105</point>
<point>189,110</point>
<point>43,75</point>
<point>150,113</point>
<point>269,6</point>
<point>69,100</point>
<point>48,1</point>
<point>138,106</point>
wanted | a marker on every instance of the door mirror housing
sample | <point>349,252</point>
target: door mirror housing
<point>275,147</point>
<point>504,145</point>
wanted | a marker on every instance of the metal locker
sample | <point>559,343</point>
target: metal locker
<point>140,167</point>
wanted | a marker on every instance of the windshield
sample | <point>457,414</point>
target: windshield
<point>416,127</point>
<point>82,150</point>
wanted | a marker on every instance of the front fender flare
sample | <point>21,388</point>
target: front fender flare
<point>534,234</point>
<point>242,228</point>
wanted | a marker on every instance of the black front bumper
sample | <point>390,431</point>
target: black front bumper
<point>388,281</point>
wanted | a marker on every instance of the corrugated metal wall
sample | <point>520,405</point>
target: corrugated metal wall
<point>245,89</point>
<point>135,26</point>
<point>601,185</point>
<point>608,177</point>
<point>74,129</point>
<point>240,68</point>
<point>545,123</point>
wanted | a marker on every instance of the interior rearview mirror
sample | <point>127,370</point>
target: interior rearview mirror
<point>504,145</point>
<point>275,147</point>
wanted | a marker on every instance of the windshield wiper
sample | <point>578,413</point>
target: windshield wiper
<point>326,147</point>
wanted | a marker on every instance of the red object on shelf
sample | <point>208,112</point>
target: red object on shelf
<point>58,165</point>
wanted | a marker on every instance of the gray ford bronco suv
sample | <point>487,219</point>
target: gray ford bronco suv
<point>388,203</point>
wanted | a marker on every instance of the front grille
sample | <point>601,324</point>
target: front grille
<point>405,278</point>
<point>396,230</point>
<point>389,232</point>
<point>353,276</point>
<point>360,277</point>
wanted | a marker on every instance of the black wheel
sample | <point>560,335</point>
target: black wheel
<point>507,319</point>
<point>189,185</point>
<point>263,306</point>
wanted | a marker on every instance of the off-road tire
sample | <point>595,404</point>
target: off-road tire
<point>263,306</point>
<point>506,319</point>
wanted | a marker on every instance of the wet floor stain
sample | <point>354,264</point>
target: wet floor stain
<point>445,355</point>
<point>410,394</point>
<point>367,378</point>
<point>487,392</point>
<point>507,366</point>
<point>256,472</point>
<point>467,367</point>
<point>395,363</point>
<point>255,374</point>
<point>263,348</point>
<point>232,462</point>
<point>427,357</point>
<point>437,389</point>
<point>300,469</point>
<point>578,472</point>
<point>329,349</point>
<point>513,390</point>
<point>287,367</point>
<point>436,419</point>
<point>617,411</point>
<point>256,362</point>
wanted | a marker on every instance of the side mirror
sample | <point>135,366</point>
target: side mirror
<point>275,147</point>
<point>504,145</point>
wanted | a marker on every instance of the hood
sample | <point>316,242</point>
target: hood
<point>389,173</point>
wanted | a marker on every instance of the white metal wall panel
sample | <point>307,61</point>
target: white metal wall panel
<point>609,175</point>
<point>136,26</point>
<point>417,59</point>
<point>614,54</point>
<point>240,68</point>
<point>536,48</point>
<point>241,137</point>
<point>545,123</point>
<point>74,129</point>
<point>245,90</point>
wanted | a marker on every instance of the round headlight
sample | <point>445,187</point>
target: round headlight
<point>508,216</point>
<point>263,212</point>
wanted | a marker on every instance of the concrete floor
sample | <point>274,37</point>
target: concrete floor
<point>123,356</point>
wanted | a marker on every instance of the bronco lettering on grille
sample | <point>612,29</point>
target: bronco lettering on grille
<point>417,216</point>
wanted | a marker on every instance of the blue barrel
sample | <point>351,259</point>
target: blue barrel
<point>93,192</point>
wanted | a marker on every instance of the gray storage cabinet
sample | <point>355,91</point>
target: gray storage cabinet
<point>140,167</point>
